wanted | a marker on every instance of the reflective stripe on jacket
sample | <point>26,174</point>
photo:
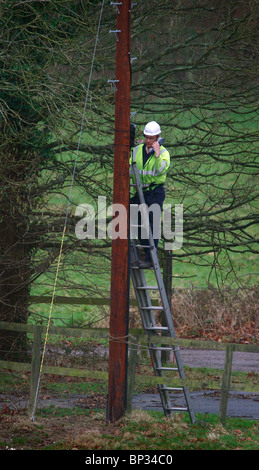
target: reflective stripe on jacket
<point>155,169</point>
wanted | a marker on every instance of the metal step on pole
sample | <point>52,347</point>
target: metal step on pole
<point>147,309</point>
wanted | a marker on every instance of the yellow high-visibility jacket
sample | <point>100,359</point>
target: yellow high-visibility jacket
<point>155,169</point>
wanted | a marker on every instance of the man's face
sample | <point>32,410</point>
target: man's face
<point>149,140</point>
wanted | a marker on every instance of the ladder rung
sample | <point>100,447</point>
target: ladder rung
<point>147,288</point>
<point>163,328</point>
<point>152,307</point>
<point>162,348</point>
<point>175,389</point>
<point>166,368</point>
<point>176,408</point>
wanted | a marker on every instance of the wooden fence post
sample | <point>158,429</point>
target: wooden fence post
<point>35,365</point>
<point>226,377</point>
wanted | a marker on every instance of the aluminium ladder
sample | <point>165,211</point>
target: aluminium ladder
<point>148,318</point>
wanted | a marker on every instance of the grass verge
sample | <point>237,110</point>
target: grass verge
<point>73,429</point>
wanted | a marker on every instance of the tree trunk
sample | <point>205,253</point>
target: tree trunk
<point>14,279</point>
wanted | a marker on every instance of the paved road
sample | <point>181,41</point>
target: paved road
<point>240,404</point>
<point>208,358</point>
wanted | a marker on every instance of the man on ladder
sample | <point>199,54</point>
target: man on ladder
<point>153,161</point>
<point>149,174</point>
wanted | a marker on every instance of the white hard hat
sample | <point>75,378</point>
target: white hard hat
<point>152,128</point>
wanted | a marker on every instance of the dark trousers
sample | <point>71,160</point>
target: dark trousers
<point>153,196</point>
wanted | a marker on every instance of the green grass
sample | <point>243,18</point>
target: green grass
<point>152,431</point>
<point>75,429</point>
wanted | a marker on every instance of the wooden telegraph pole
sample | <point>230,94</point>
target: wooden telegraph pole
<point>117,387</point>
